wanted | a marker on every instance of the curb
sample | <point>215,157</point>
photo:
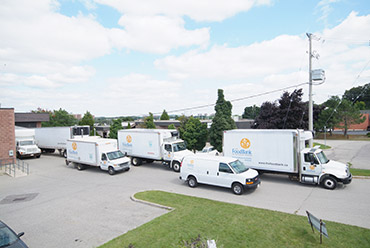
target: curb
<point>132,197</point>
<point>361,177</point>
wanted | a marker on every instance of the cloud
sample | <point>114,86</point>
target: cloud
<point>156,34</point>
<point>324,7</point>
<point>206,10</point>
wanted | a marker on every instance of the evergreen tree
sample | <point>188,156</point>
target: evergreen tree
<point>251,112</point>
<point>171,126</point>
<point>164,116</point>
<point>117,125</point>
<point>195,134</point>
<point>149,121</point>
<point>88,119</point>
<point>221,122</point>
<point>349,114</point>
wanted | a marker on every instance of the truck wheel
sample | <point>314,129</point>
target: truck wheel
<point>329,182</point>
<point>111,171</point>
<point>237,188</point>
<point>65,153</point>
<point>192,182</point>
<point>176,166</point>
<point>136,161</point>
<point>80,166</point>
<point>18,155</point>
<point>38,156</point>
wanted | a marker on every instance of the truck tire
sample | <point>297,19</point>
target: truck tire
<point>192,182</point>
<point>111,171</point>
<point>65,153</point>
<point>136,161</point>
<point>237,188</point>
<point>176,166</point>
<point>80,166</point>
<point>38,156</point>
<point>329,182</point>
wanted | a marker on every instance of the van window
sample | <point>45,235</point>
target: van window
<point>104,157</point>
<point>168,148</point>
<point>224,168</point>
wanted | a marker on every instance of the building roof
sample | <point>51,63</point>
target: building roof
<point>31,117</point>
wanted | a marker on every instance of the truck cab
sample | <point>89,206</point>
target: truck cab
<point>27,148</point>
<point>317,169</point>
<point>114,161</point>
<point>174,151</point>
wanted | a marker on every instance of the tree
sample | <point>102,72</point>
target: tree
<point>349,114</point>
<point>171,126</point>
<point>88,119</point>
<point>195,134</point>
<point>221,122</point>
<point>149,121</point>
<point>164,116</point>
<point>183,119</point>
<point>117,125</point>
<point>251,112</point>
<point>359,94</point>
<point>60,118</point>
<point>267,118</point>
<point>328,118</point>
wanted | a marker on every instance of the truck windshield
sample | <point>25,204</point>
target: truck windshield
<point>238,166</point>
<point>322,157</point>
<point>115,155</point>
<point>26,143</point>
<point>179,147</point>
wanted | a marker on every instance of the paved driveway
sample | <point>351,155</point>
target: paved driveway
<point>87,208</point>
<point>355,152</point>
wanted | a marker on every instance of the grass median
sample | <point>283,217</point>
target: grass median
<point>231,225</point>
<point>360,172</point>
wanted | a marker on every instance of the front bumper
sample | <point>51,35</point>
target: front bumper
<point>253,183</point>
<point>347,180</point>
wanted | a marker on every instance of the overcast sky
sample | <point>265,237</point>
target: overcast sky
<point>123,57</point>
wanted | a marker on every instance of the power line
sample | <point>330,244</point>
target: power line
<point>234,100</point>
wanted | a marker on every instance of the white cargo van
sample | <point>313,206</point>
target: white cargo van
<point>25,143</point>
<point>96,151</point>
<point>284,151</point>
<point>219,171</point>
<point>150,145</point>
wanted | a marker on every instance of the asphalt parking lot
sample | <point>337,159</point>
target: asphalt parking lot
<point>58,206</point>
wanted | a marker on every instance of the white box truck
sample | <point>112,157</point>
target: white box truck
<point>153,145</point>
<point>218,171</point>
<point>284,151</point>
<point>50,139</point>
<point>26,143</point>
<point>96,151</point>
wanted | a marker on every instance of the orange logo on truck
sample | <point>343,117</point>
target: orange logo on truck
<point>245,143</point>
<point>128,138</point>
<point>74,146</point>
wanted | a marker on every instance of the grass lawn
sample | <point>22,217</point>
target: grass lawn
<point>232,226</point>
<point>359,172</point>
<point>322,146</point>
<point>335,136</point>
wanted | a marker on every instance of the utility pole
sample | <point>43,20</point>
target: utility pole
<point>310,105</point>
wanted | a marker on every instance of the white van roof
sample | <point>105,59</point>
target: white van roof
<point>205,156</point>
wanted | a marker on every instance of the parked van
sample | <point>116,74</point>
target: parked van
<point>219,171</point>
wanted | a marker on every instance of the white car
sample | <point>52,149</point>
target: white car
<point>210,150</point>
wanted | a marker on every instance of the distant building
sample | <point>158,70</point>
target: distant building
<point>240,124</point>
<point>362,126</point>
<point>30,120</point>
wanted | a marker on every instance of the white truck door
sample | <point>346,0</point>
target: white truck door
<point>104,162</point>
<point>167,152</point>
<point>310,164</point>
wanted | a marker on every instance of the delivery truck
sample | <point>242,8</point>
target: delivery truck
<point>285,151</point>
<point>96,151</point>
<point>218,171</point>
<point>26,143</point>
<point>50,139</point>
<point>153,145</point>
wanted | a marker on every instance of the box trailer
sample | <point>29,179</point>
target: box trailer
<point>153,145</point>
<point>26,143</point>
<point>96,151</point>
<point>284,151</point>
<point>50,139</point>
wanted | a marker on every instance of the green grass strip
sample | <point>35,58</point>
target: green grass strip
<point>360,172</point>
<point>321,146</point>
<point>232,225</point>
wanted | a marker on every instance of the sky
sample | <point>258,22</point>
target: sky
<point>122,58</point>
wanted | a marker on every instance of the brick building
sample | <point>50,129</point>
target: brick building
<point>7,134</point>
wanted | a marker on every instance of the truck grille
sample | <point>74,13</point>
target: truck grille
<point>31,150</point>
<point>123,164</point>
